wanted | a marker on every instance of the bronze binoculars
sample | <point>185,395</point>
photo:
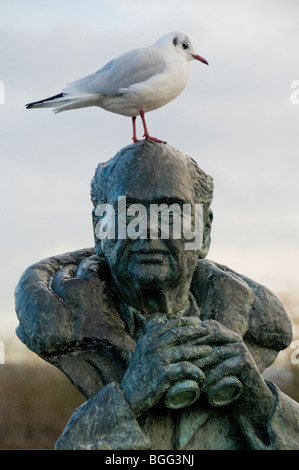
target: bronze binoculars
<point>186,392</point>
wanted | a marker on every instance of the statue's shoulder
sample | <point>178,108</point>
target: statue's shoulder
<point>64,302</point>
<point>242,304</point>
<point>46,277</point>
<point>67,315</point>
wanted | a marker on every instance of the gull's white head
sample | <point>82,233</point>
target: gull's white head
<point>180,43</point>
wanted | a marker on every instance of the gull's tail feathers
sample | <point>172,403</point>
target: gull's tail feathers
<point>62,102</point>
<point>50,102</point>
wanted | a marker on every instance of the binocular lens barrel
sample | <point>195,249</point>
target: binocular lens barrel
<point>186,392</point>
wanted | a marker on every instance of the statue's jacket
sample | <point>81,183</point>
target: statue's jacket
<point>71,317</point>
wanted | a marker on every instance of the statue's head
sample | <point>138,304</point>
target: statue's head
<point>144,200</point>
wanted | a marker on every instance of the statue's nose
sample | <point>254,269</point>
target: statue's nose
<point>148,246</point>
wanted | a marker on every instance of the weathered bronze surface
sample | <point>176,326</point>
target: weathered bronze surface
<point>135,322</point>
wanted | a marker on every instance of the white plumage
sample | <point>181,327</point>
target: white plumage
<point>134,83</point>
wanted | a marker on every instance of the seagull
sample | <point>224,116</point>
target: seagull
<point>134,83</point>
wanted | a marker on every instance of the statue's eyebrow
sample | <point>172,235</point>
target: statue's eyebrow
<point>161,200</point>
<point>171,200</point>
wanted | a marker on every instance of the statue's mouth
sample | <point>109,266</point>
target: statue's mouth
<point>149,255</point>
<point>149,251</point>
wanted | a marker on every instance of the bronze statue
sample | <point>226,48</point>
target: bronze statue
<point>167,347</point>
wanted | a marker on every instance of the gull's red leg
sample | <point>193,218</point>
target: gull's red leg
<point>146,134</point>
<point>134,138</point>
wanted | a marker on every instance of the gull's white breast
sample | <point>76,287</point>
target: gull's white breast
<point>156,91</point>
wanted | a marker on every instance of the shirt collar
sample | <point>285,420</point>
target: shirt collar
<point>135,320</point>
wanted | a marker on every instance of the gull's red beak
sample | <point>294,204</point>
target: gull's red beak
<point>198,57</point>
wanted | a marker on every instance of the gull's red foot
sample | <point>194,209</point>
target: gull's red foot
<point>154,139</point>
<point>146,134</point>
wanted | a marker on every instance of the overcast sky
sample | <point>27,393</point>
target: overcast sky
<point>235,118</point>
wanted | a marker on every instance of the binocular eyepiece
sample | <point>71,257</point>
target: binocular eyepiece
<point>186,392</point>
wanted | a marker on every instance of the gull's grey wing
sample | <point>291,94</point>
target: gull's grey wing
<point>132,67</point>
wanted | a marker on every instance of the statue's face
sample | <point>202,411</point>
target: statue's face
<point>150,260</point>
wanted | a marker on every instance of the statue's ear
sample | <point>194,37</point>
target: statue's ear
<point>97,242</point>
<point>207,219</point>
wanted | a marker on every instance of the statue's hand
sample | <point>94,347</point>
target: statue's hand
<point>43,314</point>
<point>230,357</point>
<point>164,355</point>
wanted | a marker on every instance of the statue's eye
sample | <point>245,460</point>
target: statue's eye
<point>184,45</point>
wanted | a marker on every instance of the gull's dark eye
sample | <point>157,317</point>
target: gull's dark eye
<point>184,45</point>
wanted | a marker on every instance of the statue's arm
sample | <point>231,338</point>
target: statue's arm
<point>104,422</point>
<point>68,319</point>
<point>282,428</point>
<point>58,303</point>
<point>268,418</point>
<point>43,317</point>
<point>244,306</point>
